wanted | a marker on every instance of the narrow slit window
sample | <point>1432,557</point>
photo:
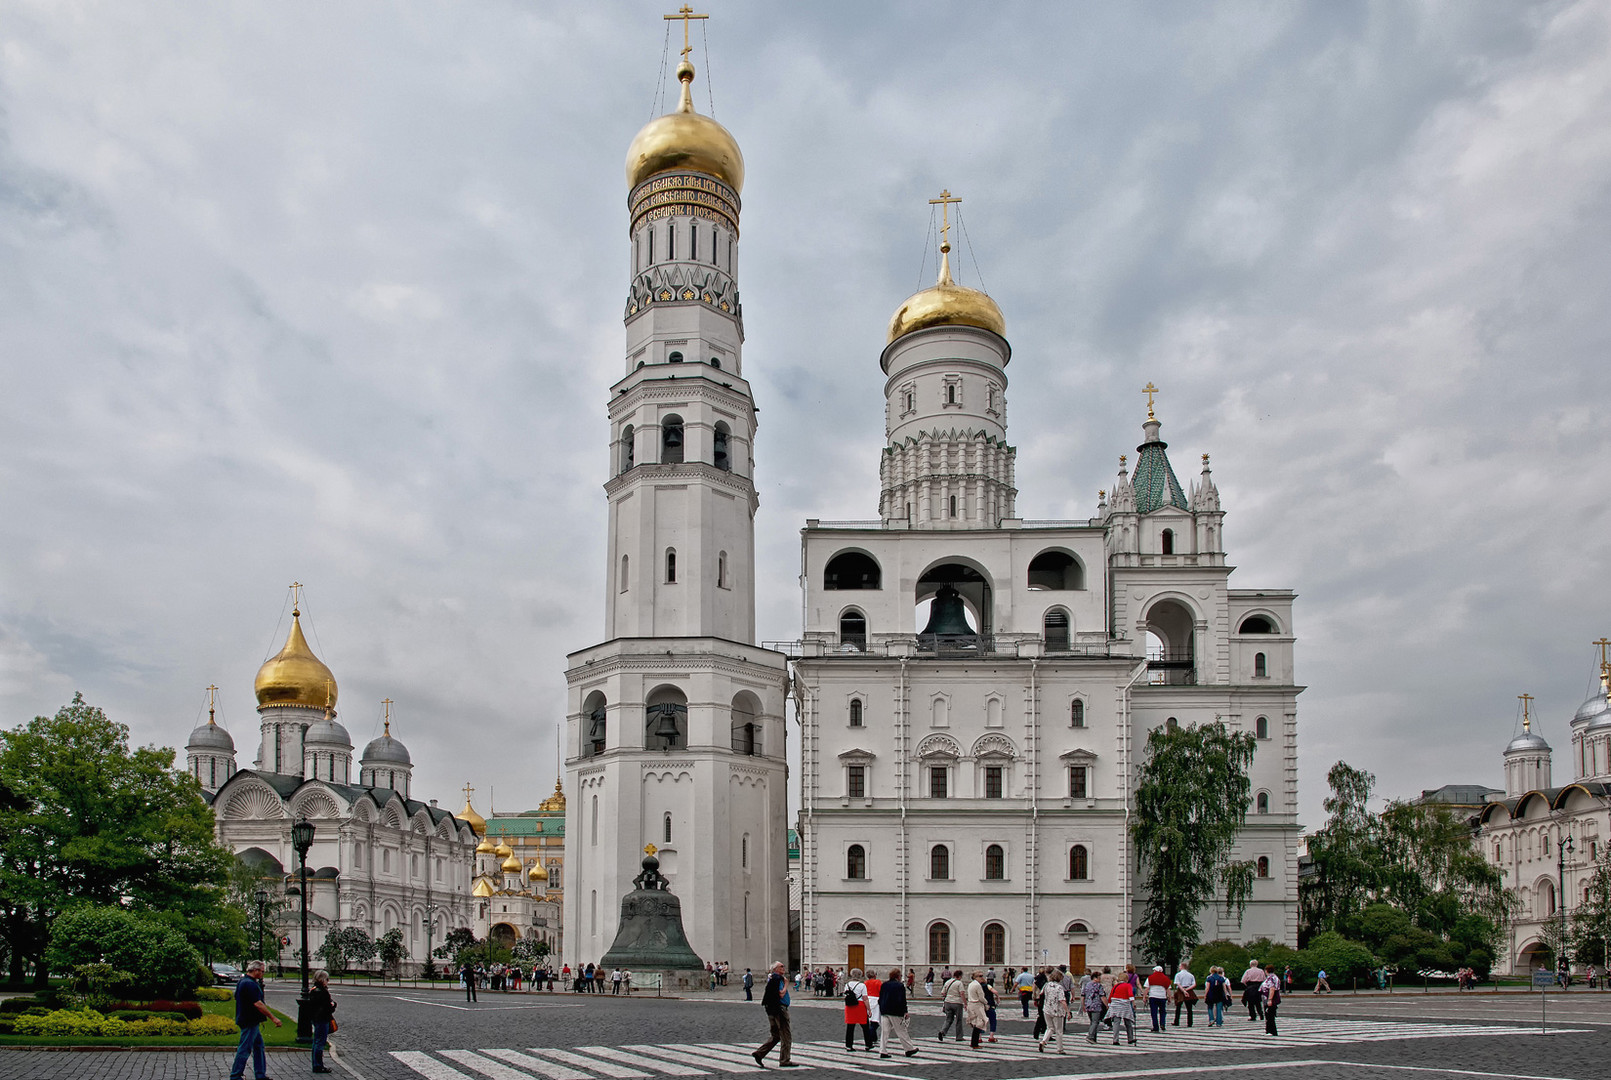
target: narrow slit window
<point>1169,541</point>
<point>693,242</point>
<point>1076,714</point>
<point>666,828</point>
<point>855,712</point>
<point>671,241</point>
<point>671,566</point>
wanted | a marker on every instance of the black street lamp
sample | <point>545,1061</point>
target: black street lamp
<point>302,840</point>
<point>1563,847</point>
<point>261,896</point>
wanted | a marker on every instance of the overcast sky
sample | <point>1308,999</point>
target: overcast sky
<point>333,293</point>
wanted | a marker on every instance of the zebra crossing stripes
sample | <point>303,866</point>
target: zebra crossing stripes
<point>644,1061</point>
<point>668,1067</point>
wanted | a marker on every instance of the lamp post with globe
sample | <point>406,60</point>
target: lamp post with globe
<point>302,840</point>
<point>262,897</point>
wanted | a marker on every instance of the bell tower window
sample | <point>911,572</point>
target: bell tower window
<point>693,242</point>
<point>671,241</point>
<point>628,451</point>
<point>720,457</point>
<point>671,435</point>
<point>671,566</point>
<point>1168,541</point>
<point>625,567</point>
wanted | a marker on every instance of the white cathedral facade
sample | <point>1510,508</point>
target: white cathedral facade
<point>676,720</point>
<point>381,859</point>
<point>1546,839</point>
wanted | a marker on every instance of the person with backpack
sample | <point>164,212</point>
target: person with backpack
<point>775,1001</point>
<point>1216,995</point>
<point>856,1011</point>
<point>1270,995</point>
<point>953,996</point>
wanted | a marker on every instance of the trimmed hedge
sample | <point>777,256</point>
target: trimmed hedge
<point>86,1023</point>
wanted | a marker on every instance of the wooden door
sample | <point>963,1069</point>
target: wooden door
<point>1076,959</point>
<point>858,957</point>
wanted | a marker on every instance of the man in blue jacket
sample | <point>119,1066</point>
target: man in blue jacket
<point>250,1012</point>
<point>775,1000</point>
<point>892,1015</point>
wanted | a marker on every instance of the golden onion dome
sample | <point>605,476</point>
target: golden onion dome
<point>537,873</point>
<point>556,801</point>
<point>685,140</point>
<point>485,847</point>
<point>511,865</point>
<point>294,676</point>
<point>504,849</point>
<point>946,304</point>
<point>477,823</point>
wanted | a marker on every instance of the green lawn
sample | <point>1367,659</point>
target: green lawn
<point>272,1036</point>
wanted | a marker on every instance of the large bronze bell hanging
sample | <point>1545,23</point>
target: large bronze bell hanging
<point>947,615</point>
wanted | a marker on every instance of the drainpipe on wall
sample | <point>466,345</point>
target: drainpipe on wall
<point>902,732</point>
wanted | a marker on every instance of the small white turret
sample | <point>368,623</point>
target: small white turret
<point>1527,758</point>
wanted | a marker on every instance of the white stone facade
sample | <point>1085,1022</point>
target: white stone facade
<point>676,720</point>
<point>1522,833</point>
<point>965,797</point>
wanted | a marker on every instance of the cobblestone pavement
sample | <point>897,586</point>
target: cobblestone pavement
<point>417,1034</point>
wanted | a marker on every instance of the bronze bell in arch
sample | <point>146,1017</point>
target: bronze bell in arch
<point>948,616</point>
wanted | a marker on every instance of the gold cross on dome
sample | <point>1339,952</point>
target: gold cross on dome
<point>296,598</point>
<point>1150,390</point>
<point>468,791</point>
<point>685,13</point>
<point>1527,716</point>
<point>212,702</point>
<point>945,202</point>
<point>1603,643</point>
<point>649,849</point>
<point>387,702</point>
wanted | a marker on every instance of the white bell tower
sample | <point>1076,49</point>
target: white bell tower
<point>676,721</point>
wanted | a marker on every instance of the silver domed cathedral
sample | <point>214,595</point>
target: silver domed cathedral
<point>676,721</point>
<point>381,859</point>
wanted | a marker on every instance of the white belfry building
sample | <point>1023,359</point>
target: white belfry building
<point>676,721</point>
<point>975,689</point>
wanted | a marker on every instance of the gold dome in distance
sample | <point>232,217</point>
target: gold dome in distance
<point>477,823</point>
<point>511,865</point>
<point>485,847</point>
<point>556,801</point>
<point>946,304</point>
<point>537,873</point>
<point>685,140</point>
<point>504,849</point>
<point>294,676</point>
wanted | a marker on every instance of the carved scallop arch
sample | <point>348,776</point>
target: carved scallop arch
<point>938,745</point>
<point>995,744</point>
<point>315,804</point>
<point>254,803</point>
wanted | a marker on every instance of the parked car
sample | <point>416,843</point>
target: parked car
<point>227,973</point>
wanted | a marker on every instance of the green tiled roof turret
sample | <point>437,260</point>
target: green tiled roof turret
<point>1155,483</point>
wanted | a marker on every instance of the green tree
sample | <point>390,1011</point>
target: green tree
<point>459,939</point>
<point>392,950</point>
<point>85,818</point>
<point>345,946</point>
<point>1338,957</point>
<point>1191,800</point>
<point>157,957</point>
<point>527,950</point>
<point>257,924</point>
<point>1345,865</point>
<point>1593,916</point>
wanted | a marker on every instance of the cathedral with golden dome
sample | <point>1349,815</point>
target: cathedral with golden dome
<point>519,872</point>
<point>381,858</point>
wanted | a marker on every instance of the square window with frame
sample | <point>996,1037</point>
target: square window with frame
<point>993,781</point>
<point>939,782</point>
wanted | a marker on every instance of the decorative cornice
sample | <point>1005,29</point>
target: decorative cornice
<point>686,194</point>
<point>683,283</point>
<point>650,473</point>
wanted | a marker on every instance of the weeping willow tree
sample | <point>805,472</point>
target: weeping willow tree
<point>1192,797</point>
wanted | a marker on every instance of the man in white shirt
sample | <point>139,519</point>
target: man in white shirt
<point>1252,979</point>
<point>1185,993</point>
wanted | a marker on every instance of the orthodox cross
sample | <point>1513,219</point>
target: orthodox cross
<point>212,702</point>
<point>1605,667</point>
<point>945,202</point>
<point>387,702</point>
<point>685,13</point>
<point>649,849</point>
<point>296,598</point>
<point>1527,717</point>
<point>468,791</point>
<point>1149,390</point>
<point>1603,643</point>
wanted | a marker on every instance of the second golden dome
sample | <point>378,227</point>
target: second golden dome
<point>294,676</point>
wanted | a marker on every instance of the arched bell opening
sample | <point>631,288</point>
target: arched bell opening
<point>1171,649</point>
<point>666,720</point>
<point>1055,570</point>
<point>721,458</point>
<point>953,609</point>
<point>595,725</point>
<point>746,724</point>
<point>671,440</point>
<point>852,570</point>
<point>852,631</point>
